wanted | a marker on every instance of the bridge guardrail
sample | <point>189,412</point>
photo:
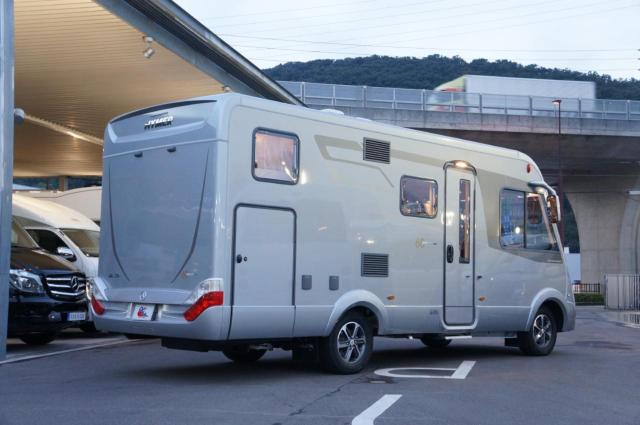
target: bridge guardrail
<point>341,95</point>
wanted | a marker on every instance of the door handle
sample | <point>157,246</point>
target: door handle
<point>240,258</point>
<point>449,253</point>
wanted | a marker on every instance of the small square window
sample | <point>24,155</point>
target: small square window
<point>418,197</point>
<point>275,156</point>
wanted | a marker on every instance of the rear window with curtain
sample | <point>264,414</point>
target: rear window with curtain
<point>275,156</point>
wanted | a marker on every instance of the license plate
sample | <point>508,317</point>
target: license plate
<point>143,311</point>
<point>76,316</point>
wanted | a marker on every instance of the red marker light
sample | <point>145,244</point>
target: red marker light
<point>98,308</point>
<point>529,168</point>
<point>210,299</point>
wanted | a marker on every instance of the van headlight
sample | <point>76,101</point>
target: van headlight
<point>26,282</point>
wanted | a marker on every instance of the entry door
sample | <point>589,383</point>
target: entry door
<point>459,247</point>
<point>263,277</point>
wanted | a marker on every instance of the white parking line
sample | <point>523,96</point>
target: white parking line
<point>376,409</point>
<point>463,370</point>
<point>71,350</point>
<point>460,372</point>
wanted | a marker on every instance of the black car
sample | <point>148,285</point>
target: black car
<point>46,293</point>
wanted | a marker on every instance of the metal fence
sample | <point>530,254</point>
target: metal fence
<point>332,95</point>
<point>622,291</point>
<point>587,288</point>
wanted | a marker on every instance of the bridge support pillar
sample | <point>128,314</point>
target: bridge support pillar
<point>607,216</point>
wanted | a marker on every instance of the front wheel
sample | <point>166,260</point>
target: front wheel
<point>349,346</point>
<point>42,338</point>
<point>243,354</point>
<point>541,338</point>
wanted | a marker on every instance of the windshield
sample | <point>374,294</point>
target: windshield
<point>20,238</point>
<point>87,240</point>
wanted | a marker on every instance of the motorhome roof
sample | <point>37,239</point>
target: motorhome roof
<point>230,100</point>
<point>50,214</point>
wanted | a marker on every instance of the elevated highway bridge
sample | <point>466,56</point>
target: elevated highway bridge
<point>590,146</point>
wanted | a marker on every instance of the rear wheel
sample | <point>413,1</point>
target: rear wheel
<point>541,338</point>
<point>243,354</point>
<point>42,338</point>
<point>349,346</point>
<point>435,341</point>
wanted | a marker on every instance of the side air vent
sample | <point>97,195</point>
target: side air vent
<point>377,151</point>
<point>374,265</point>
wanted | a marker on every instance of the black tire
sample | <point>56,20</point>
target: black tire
<point>435,342</point>
<point>42,338</point>
<point>243,354</point>
<point>349,347</point>
<point>535,342</point>
<point>89,328</point>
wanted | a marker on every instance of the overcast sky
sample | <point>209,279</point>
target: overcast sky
<point>583,35</point>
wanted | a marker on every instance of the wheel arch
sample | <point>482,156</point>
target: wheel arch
<point>552,299</point>
<point>362,301</point>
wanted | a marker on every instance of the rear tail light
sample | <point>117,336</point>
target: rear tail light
<point>210,299</point>
<point>209,293</point>
<point>98,307</point>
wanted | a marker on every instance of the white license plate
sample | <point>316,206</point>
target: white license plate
<point>143,311</point>
<point>76,316</point>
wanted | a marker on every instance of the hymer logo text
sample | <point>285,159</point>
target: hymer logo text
<point>158,122</point>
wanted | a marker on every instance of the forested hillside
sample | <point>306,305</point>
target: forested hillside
<point>431,71</point>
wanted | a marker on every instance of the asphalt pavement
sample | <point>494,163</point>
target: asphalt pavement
<point>591,378</point>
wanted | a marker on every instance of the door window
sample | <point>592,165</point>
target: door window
<point>538,233</point>
<point>275,156</point>
<point>47,240</point>
<point>464,232</point>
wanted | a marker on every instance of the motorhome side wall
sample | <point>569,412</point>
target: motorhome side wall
<point>85,200</point>
<point>345,207</point>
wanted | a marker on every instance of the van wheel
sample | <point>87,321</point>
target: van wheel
<point>541,338</point>
<point>435,342</point>
<point>349,346</point>
<point>89,328</point>
<point>243,354</point>
<point>39,339</point>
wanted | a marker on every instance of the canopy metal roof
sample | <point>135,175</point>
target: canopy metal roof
<point>79,63</point>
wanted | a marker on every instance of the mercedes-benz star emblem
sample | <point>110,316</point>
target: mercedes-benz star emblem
<point>74,284</point>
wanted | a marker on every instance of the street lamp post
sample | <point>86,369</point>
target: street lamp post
<point>558,104</point>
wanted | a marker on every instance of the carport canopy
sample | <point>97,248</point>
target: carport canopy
<point>79,63</point>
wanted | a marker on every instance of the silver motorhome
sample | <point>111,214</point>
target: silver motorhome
<point>246,224</point>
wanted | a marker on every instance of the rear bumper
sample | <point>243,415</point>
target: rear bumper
<point>41,314</point>
<point>167,322</point>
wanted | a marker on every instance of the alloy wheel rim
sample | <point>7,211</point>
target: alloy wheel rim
<point>352,342</point>
<point>542,330</point>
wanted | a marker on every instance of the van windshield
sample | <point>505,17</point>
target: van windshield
<point>20,238</point>
<point>87,240</point>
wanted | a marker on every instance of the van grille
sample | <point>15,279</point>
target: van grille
<point>66,287</point>
<point>375,265</point>
<point>377,151</point>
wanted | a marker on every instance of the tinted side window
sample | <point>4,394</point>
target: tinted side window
<point>47,240</point>
<point>418,197</point>
<point>464,230</point>
<point>512,218</point>
<point>275,156</point>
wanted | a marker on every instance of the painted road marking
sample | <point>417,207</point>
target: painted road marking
<point>460,372</point>
<point>376,409</point>
<point>71,350</point>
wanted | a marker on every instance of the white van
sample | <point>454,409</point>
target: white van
<point>61,231</point>
<point>241,224</point>
<point>85,200</point>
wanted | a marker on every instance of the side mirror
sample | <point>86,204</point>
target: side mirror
<point>554,208</point>
<point>66,253</point>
